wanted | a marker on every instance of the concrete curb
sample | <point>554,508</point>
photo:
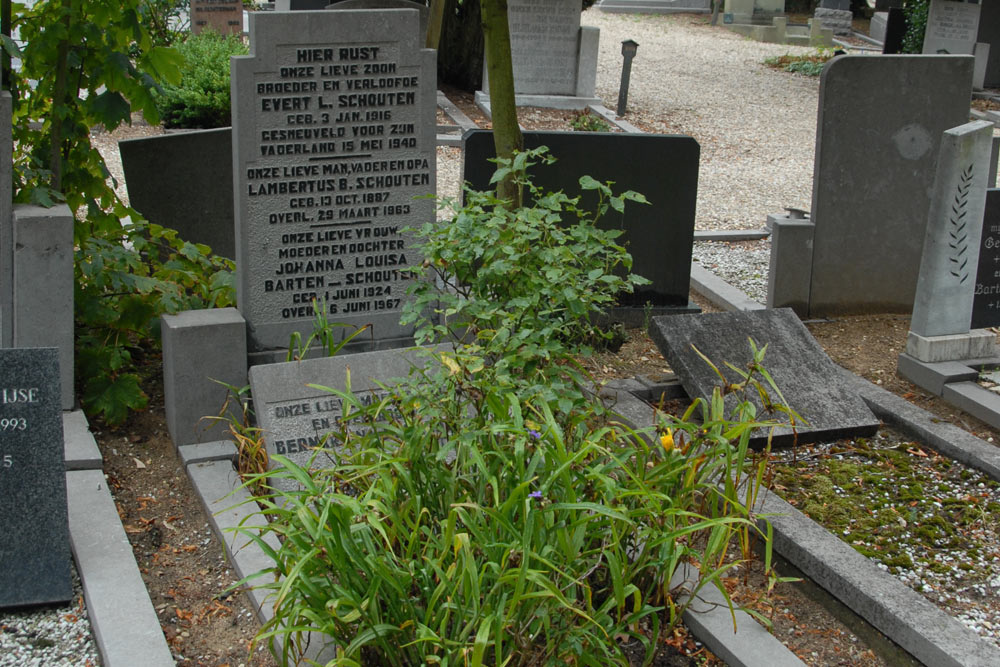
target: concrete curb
<point>920,627</point>
<point>719,292</point>
<point>947,439</point>
<point>125,626</point>
<point>731,235</point>
<point>81,448</point>
<point>747,644</point>
<point>228,507</point>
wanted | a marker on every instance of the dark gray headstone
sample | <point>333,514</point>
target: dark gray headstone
<point>809,381</point>
<point>34,529</point>
<point>895,31</point>
<point>295,417</point>
<point>333,140</point>
<point>986,300</point>
<point>664,168</point>
<point>872,180</point>
<point>6,223</point>
<point>989,33</point>
<point>184,181</point>
<point>842,5</point>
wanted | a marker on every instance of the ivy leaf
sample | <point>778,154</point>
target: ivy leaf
<point>112,108</point>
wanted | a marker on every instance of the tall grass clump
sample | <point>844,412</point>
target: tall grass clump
<point>488,510</point>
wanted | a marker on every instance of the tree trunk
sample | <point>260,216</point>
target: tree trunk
<point>506,132</point>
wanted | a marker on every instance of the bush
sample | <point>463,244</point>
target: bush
<point>201,99</point>
<point>916,25</point>
<point>589,122</point>
<point>809,64</point>
<point>522,284</point>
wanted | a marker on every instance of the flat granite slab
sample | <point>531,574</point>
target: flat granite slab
<point>808,379</point>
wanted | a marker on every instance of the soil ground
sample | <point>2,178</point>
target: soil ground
<point>189,580</point>
<point>188,577</point>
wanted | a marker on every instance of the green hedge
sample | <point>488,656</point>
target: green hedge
<point>201,99</point>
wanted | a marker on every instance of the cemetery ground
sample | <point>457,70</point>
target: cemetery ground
<point>187,576</point>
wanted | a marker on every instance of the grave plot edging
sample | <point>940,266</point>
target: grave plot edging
<point>918,626</point>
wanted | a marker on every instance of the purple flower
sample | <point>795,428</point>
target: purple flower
<point>537,495</point>
<point>534,434</point>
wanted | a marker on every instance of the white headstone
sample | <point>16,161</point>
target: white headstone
<point>544,43</point>
<point>951,27</point>
<point>333,138</point>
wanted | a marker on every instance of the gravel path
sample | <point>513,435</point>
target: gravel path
<point>756,125</point>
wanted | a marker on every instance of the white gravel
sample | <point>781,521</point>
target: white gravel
<point>48,636</point>
<point>756,125</point>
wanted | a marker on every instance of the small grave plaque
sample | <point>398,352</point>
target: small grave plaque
<point>295,417</point>
<point>333,140</point>
<point>222,16</point>
<point>986,299</point>
<point>34,528</point>
<point>809,381</point>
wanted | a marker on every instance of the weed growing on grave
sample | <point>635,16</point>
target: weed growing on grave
<point>809,65</point>
<point>464,522</point>
<point>201,97</point>
<point>488,509</point>
<point>589,122</point>
<point>323,335</point>
<point>522,285</point>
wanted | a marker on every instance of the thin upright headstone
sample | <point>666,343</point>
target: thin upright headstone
<point>333,141</point>
<point>554,59</point>
<point>945,286</point>
<point>34,528</point>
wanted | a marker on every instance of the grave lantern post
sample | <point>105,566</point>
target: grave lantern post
<point>629,48</point>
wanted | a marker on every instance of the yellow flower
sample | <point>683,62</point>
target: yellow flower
<point>667,440</point>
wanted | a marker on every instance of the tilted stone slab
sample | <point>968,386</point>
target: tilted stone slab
<point>809,381</point>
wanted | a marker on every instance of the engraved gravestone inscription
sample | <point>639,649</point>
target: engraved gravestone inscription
<point>296,416</point>
<point>545,42</point>
<point>951,27</point>
<point>222,16</point>
<point>333,141</point>
<point>34,529</point>
<point>986,298</point>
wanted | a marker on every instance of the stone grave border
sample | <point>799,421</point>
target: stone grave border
<point>903,615</point>
<point>125,625</point>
